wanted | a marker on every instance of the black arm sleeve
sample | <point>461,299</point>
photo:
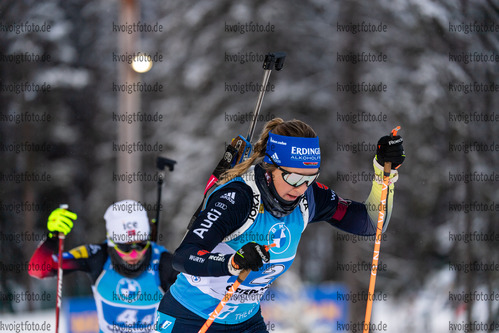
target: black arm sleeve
<point>347,215</point>
<point>226,211</point>
<point>167,274</point>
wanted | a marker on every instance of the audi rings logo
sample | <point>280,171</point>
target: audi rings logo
<point>221,205</point>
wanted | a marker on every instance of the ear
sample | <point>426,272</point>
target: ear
<point>269,175</point>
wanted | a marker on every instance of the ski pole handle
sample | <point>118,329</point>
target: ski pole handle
<point>394,131</point>
<point>59,275</point>
<point>388,165</point>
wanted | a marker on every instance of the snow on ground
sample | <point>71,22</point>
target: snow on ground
<point>32,322</point>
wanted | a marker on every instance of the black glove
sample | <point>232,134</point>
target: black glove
<point>250,256</point>
<point>390,149</point>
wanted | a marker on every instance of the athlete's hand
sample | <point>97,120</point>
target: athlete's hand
<point>390,149</point>
<point>60,220</point>
<point>250,256</point>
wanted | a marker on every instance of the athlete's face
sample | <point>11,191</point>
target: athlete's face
<point>135,259</point>
<point>133,252</point>
<point>289,192</point>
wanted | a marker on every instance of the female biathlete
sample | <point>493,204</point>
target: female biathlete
<point>268,200</point>
<point>129,273</point>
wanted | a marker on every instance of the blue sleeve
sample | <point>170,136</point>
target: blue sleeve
<point>347,215</point>
<point>226,211</point>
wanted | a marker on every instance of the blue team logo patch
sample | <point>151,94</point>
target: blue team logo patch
<point>281,236</point>
<point>164,323</point>
<point>128,290</point>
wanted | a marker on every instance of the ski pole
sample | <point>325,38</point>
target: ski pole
<point>240,146</point>
<point>59,275</point>
<point>240,279</point>
<point>377,243</point>
<point>161,162</point>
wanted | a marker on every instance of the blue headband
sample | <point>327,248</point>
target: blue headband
<point>293,151</point>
